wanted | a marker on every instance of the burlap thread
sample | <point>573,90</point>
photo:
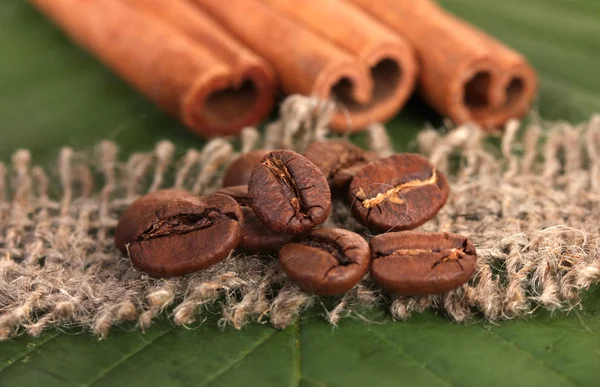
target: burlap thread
<point>532,210</point>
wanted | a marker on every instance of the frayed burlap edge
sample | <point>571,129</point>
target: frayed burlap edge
<point>532,215</point>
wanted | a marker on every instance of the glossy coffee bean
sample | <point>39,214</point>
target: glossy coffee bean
<point>412,263</point>
<point>338,160</point>
<point>257,238</point>
<point>399,192</point>
<point>288,193</point>
<point>239,171</point>
<point>238,192</point>
<point>171,232</point>
<point>326,262</point>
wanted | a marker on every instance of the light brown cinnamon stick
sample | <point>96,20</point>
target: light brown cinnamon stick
<point>305,62</point>
<point>199,26</point>
<point>465,74</point>
<point>212,94</point>
<point>390,59</point>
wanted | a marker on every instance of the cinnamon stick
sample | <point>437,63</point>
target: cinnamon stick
<point>309,63</point>
<point>199,26</point>
<point>465,74</point>
<point>389,57</point>
<point>210,93</point>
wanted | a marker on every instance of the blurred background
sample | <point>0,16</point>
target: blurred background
<point>52,93</point>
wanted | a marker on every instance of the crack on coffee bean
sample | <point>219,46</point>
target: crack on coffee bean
<point>331,247</point>
<point>305,188</point>
<point>392,194</point>
<point>184,224</point>
<point>369,210</point>
<point>405,252</point>
<point>455,256</point>
<point>450,254</point>
<point>295,215</point>
<point>280,170</point>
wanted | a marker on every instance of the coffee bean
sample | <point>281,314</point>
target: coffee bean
<point>399,192</point>
<point>257,238</point>
<point>326,262</point>
<point>338,161</point>
<point>412,263</point>
<point>288,193</point>
<point>344,176</point>
<point>238,192</point>
<point>239,171</point>
<point>171,232</point>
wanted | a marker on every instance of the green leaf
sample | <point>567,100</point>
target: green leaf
<point>426,350</point>
<point>52,94</point>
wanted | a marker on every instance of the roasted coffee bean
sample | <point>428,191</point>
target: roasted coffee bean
<point>343,177</point>
<point>399,192</point>
<point>289,193</point>
<point>239,171</point>
<point>338,161</point>
<point>327,262</point>
<point>238,192</point>
<point>171,232</point>
<point>257,238</point>
<point>412,263</point>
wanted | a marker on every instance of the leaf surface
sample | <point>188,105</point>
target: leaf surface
<point>53,94</point>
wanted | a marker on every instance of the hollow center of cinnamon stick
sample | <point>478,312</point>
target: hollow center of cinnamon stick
<point>386,75</point>
<point>231,103</point>
<point>477,91</point>
<point>514,90</point>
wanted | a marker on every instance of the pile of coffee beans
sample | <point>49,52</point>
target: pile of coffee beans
<point>274,202</point>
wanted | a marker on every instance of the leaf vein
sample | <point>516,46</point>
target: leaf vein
<point>125,358</point>
<point>297,353</point>
<point>400,349</point>
<point>530,354</point>
<point>37,346</point>
<point>247,353</point>
<point>52,374</point>
<point>315,382</point>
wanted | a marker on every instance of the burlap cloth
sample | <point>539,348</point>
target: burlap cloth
<point>531,208</point>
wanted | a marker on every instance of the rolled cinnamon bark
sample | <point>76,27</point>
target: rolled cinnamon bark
<point>389,57</point>
<point>465,74</point>
<point>183,76</point>
<point>249,70</point>
<point>305,62</point>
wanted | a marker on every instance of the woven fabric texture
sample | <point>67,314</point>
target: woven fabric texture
<point>531,208</point>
